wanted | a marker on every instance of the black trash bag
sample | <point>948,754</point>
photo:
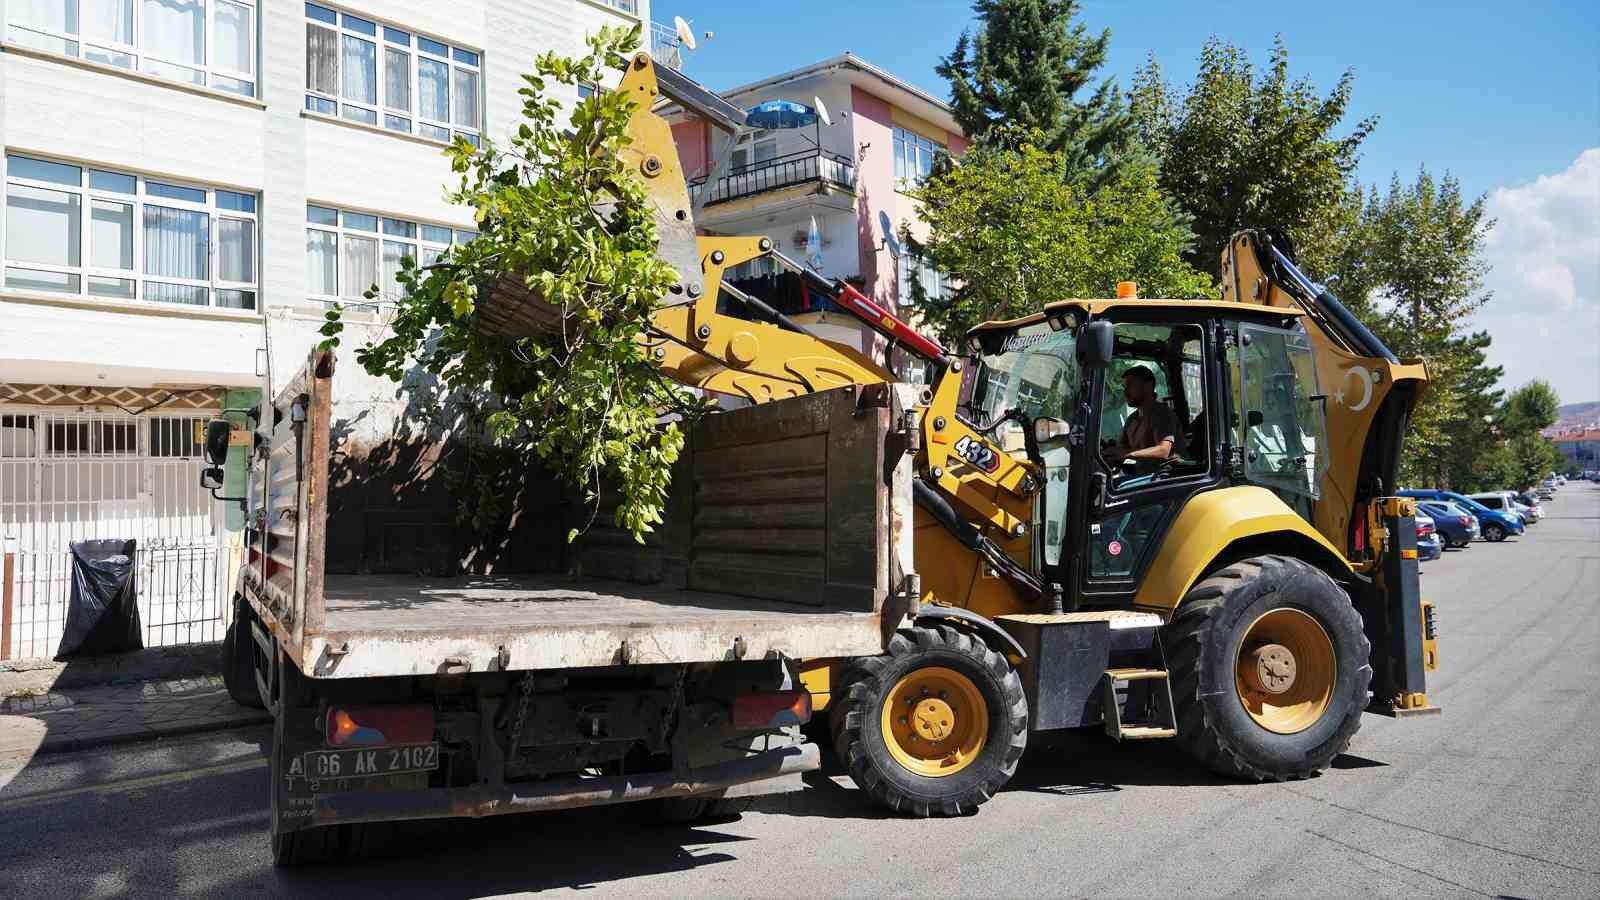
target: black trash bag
<point>103,615</point>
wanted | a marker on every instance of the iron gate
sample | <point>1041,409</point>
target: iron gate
<point>69,477</point>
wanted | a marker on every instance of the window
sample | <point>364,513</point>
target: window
<point>1285,428</point>
<point>753,150</point>
<point>913,157</point>
<point>77,230</point>
<point>347,253</point>
<point>935,284</point>
<point>376,74</point>
<point>203,42</point>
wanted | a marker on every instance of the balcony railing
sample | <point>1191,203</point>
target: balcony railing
<point>779,172</point>
<point>664,45</point>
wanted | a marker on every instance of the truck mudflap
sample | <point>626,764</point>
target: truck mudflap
<point>740,777</point>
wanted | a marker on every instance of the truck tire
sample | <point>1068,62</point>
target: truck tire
<point>1269,668</point>
<point>934,727</point>
<point>239,659</point>
<point>689,810</point>
<point>295,848</point>
<point>1494,532</point>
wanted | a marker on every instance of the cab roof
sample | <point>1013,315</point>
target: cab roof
<point>1099,307</point>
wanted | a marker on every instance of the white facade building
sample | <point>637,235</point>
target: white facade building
<point>187,181</point>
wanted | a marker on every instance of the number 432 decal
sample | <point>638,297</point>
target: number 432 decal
<point>974,451</point>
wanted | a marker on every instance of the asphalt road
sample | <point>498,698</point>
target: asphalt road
<point>1498,796</point>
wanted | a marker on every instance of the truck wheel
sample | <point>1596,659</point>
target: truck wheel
<point>239,660</point>
<point>1269,668</point>
<point>934,727</point>
<point>1494,532</point>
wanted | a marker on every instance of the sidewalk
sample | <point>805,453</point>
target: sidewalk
<point>51,708</point>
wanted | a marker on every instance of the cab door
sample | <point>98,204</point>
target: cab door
<point>1131,507</point>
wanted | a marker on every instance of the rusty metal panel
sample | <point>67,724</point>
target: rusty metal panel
<point>787,499</point>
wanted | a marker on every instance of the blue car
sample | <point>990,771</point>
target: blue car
<point>1457,527</point>
<point>1494,524</point>
<point>1429,545</point>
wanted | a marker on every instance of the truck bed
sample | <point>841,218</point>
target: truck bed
<point>404,624</point>
<point>787,530</point>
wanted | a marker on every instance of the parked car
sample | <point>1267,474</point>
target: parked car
<point>1429,545</point>
<point>1505,501</point>
<point>1456,526</point>
<point>1530,500</point>
<point>1496,524</point>
<point>1544,493</point>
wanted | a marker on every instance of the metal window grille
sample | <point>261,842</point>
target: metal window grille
<point>69,477</point>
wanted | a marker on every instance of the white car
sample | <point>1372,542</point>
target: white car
<point>1504,501</point>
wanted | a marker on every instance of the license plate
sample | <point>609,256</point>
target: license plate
<point>360,763</point>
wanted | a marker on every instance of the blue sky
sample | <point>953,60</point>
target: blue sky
<point>1498,94</point>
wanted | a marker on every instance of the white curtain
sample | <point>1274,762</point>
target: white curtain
<point>466,96</point>
<point>108,20</point>
<point>236,250</point>
<point>397,79</point>
<point>322,263</point>
<point>43,226</point>
<point>392,253</point>
<point>175,30</point>
<point>322,61</point>
<point>433,90</point>
<point>233,37</point>
<point>360,265</point>
<point>360,63</point>
<point>175,242</point>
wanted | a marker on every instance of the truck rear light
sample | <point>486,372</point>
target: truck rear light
<point>367,726</point>
<point>772,710</point>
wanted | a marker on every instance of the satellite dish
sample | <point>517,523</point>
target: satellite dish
<point>822,111</point>
<point>685,33</point>
<point>889,239</point>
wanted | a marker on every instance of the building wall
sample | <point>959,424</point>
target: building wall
<point>872,120</point>
<point>58,107</point>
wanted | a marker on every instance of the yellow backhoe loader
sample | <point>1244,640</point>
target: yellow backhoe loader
<point>1249,594</point>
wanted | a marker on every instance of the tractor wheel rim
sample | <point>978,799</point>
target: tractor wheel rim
<point>1285,671</point>
<point>935,721</point>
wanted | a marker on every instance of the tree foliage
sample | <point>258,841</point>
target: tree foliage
<point>588,405</point>
<point>1016,232</point>
<point>1242,149</point>
<point>1024,71</point>
<point>1527,411</point>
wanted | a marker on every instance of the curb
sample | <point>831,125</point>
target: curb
<point>134,736</point>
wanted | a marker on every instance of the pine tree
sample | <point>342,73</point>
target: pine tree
<point>1023,71</point>
<point>1248,149</point>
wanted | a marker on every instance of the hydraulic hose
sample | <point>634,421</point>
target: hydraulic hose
<point>970,537</point>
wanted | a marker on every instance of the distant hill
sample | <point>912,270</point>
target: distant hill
<point>1577,415</point>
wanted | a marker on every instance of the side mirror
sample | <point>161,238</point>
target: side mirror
<point>211,478</point>
<point>1050,431</point>
<point>1097,344</point>
<point>216,449</point>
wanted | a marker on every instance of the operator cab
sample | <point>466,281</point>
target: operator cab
<point>1193,395</point>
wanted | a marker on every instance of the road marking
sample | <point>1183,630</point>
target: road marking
<point>133,783</point>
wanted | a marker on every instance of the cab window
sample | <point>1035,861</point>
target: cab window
<point>1283,430</point>
<point>1152,410</point>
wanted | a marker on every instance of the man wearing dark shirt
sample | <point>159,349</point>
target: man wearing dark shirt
<point>1151,435</point>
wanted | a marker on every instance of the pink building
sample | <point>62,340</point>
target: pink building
<point>850,177</point>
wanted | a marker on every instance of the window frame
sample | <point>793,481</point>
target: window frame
<point>384,40</point>
<point>138,55</point>
<point>906,141</point>
<point>139,200</point>
<point>417,242</point>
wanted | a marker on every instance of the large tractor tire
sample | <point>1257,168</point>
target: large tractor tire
<point>1269,668</point>
<point>934,727</point>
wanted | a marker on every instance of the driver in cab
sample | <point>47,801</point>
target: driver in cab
<point>1150,436</point>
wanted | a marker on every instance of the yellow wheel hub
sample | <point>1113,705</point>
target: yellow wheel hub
<point>935,721</point>
<point>1285,671</point>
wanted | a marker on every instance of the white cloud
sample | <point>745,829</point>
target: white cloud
<point>1545,254</point>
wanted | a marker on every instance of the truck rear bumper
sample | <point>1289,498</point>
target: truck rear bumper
<point>348,807</point>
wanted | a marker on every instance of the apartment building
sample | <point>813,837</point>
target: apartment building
<point>188,183</point>
<point>850,177</point>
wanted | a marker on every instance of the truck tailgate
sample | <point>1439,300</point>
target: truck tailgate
<point>405,625</point>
